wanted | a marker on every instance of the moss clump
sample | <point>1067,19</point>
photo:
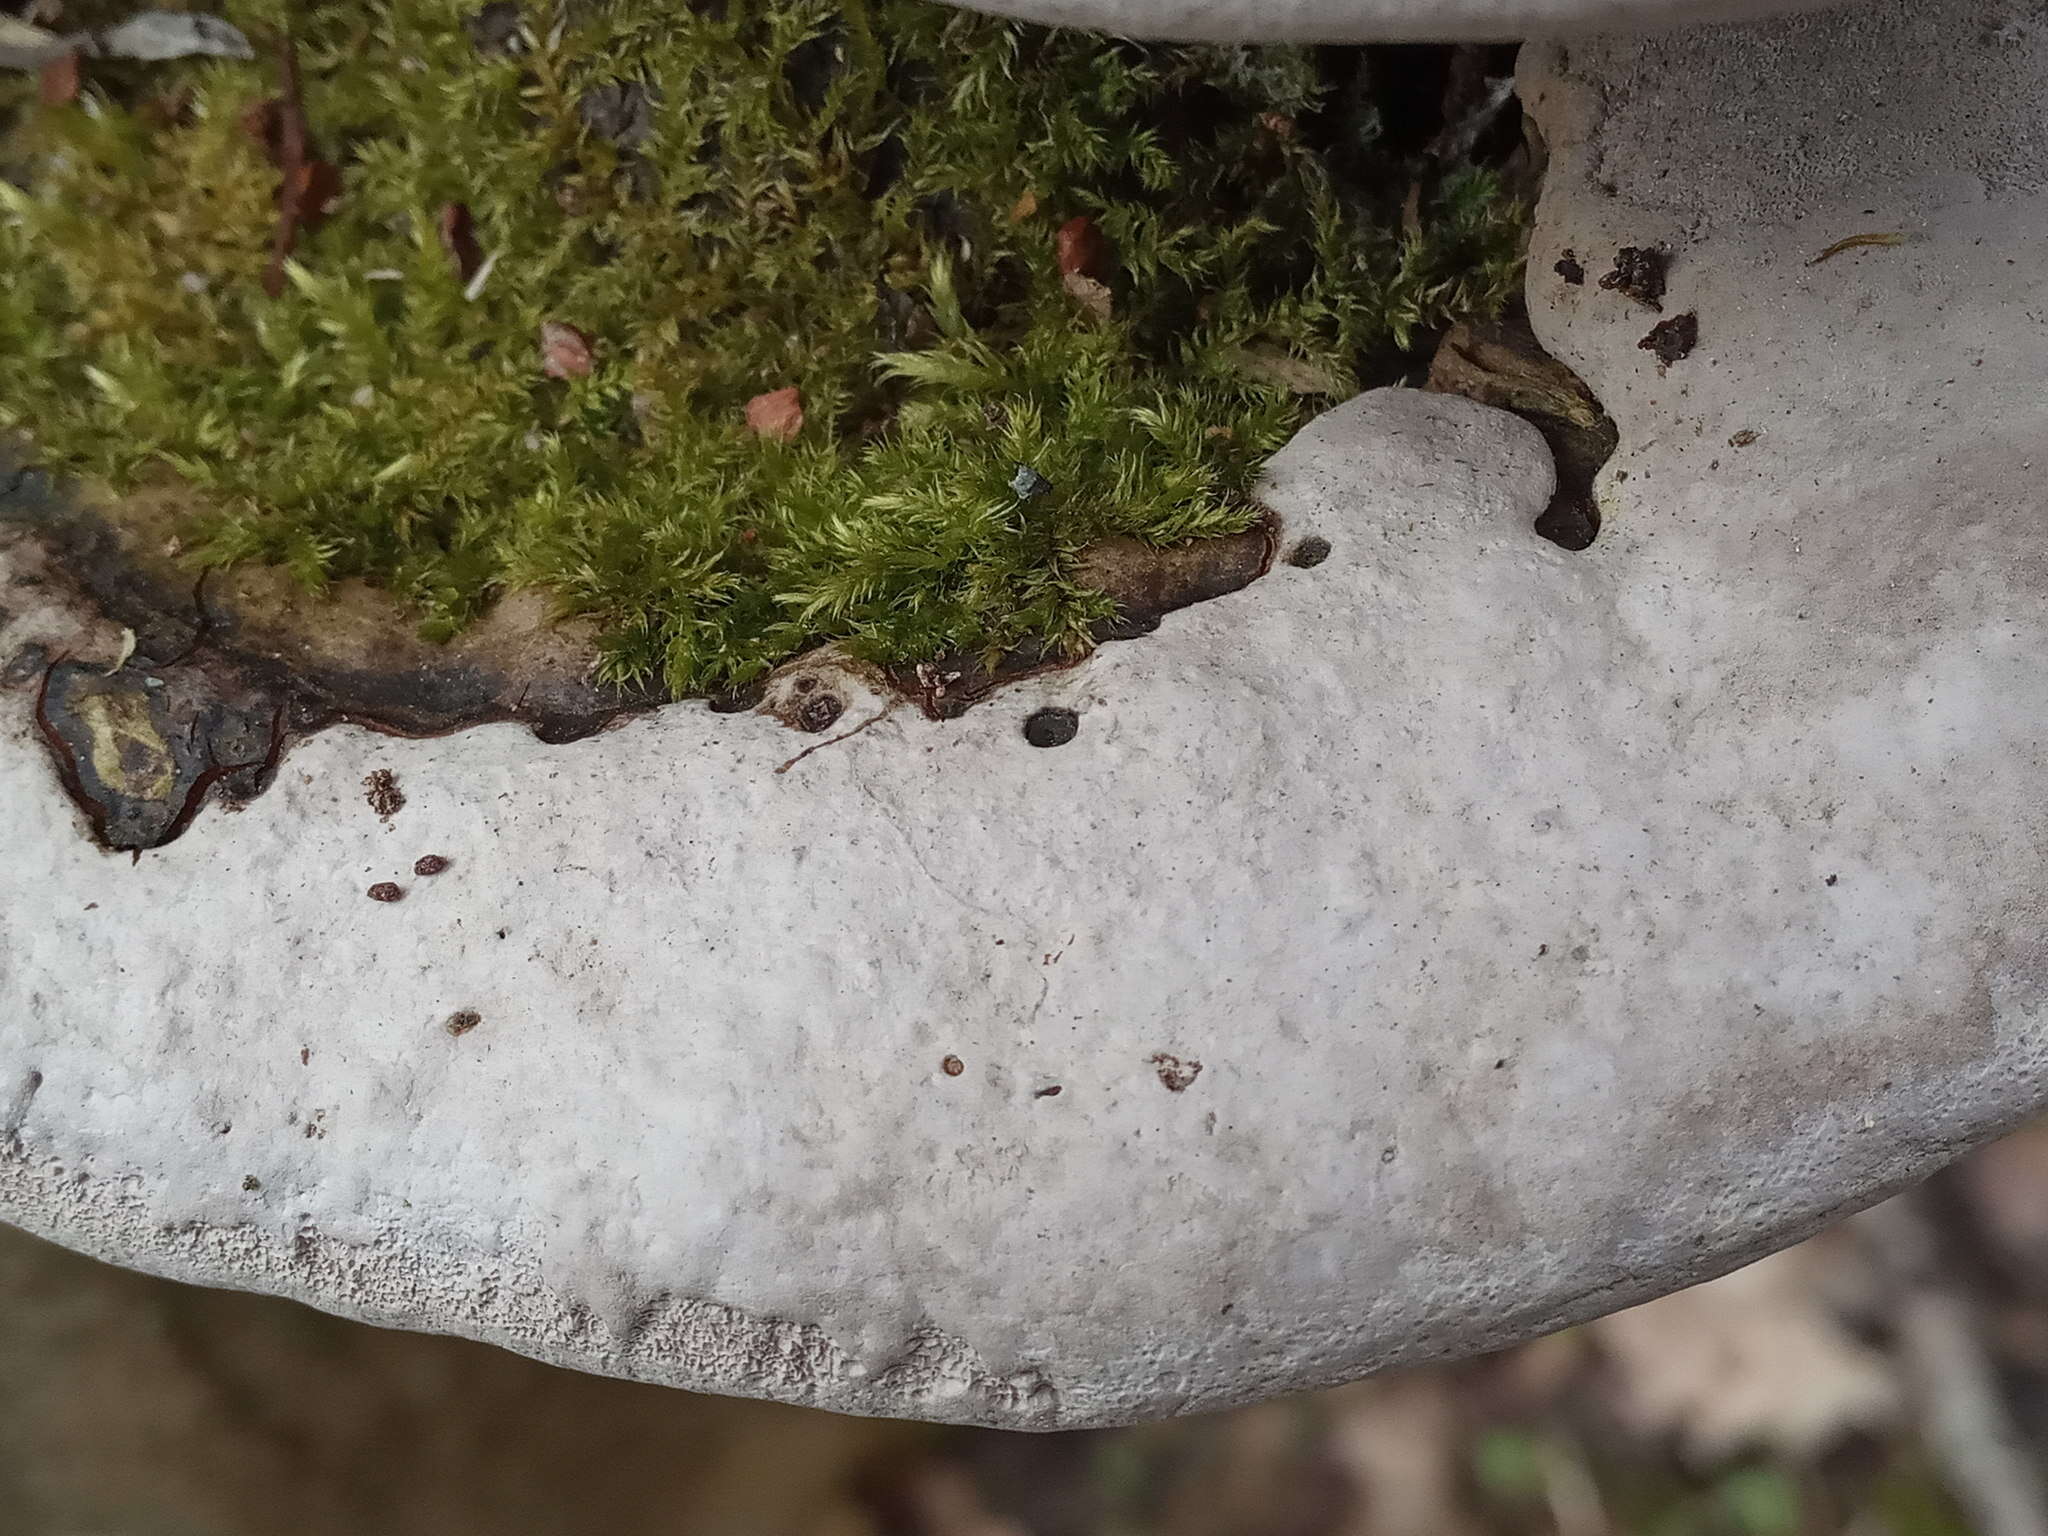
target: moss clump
<point>863,201</point>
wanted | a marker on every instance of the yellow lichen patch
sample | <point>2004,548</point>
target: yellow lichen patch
<point>129,754</point>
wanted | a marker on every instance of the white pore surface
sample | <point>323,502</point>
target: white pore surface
<point>1552,929</point>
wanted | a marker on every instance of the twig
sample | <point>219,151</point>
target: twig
<point>1963,1419</point>
<point>1850,242</point>
<point>291,162</point>
<point>875,719</point>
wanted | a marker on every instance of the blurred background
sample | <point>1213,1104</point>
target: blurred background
<point>1888,1378</point>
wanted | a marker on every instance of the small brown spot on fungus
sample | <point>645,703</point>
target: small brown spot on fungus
<point>429,864</point>
<point>462,1021</point>
<point>385,890</point>
<point>952,1066</point>
<point>1177,1074</point>
<point>1048,1093</point>
<point>1673,340</point>
<point>1568,268</point>
<point>1309,552</point>
<point>305,1055</point>
<point>1052,727</point>
<point>381,790</point>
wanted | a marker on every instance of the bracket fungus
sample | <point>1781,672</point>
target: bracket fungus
<point>1446,937</point>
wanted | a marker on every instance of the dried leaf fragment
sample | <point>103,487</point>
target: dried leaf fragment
<point>1082,250</point>
<point>564,351</point>
<point>778,414</point>
<point>458,239</point>
<point>316,185</point>
<point>1024,207</point>
<point>1089,294</point>
<point>57,81</point>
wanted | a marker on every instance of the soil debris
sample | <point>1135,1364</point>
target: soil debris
<point>386,890</point>
<point>1743,438</point>
<point>380,789</point>
<point>1567,267</point>
<point>952,1066</point>
<point>1673,340</point>
<point>1309,553</point>
<point>1639,273</point>
<point>1176,1073</point>
<point>429,865</point>
<point>462,1021</point>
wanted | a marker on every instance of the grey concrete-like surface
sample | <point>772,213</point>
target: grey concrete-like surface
<point>1551,930</point>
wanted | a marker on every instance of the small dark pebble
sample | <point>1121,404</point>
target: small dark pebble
<point>251,1182</point>
<point>818,712</point>
<point>429,864</point>
<point>1638,274</point>
<point>1311,551</point>
<point>1028,484</point>
<point>952,1066</point>
<point>1053,727</point>
<point>384,890</point>
<point>495,29</point>
<point>1673,339</point>
<point>1833,878</point>
<point>1569,269</point>
<point>462,1022</point>
<point>620,112</point>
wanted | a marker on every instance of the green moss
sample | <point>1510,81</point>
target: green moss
<point>859,200</point>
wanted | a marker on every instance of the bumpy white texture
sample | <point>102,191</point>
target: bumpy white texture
<point>1552,929</point>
